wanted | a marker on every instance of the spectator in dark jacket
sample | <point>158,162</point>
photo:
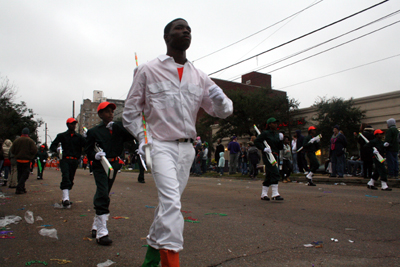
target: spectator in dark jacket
<point>391,144</point>
<point>336,152</point>
<point>254,158</point>
<point>218,150</point>
<point>234,151</point>
<point>24,150</point>
<point>365,153</point>
<point>301,156</point>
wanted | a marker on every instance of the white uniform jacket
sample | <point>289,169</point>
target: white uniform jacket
<point>170,106</point>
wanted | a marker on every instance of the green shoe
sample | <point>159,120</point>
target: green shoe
<point>152,257</point>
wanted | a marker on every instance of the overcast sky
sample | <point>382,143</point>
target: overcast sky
<point>56,52</point>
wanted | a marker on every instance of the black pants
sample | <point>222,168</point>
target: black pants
<point>253,170</point>
<point>314,164</point>
<point>380,170</point>
<point>23,175</point>
<point>367,168</point>
<point>141,171</point>
<point>302,162</point>
<point>68,168</point>
<point>286,169</point>
<point>104,184</point>
<point>271,172</point>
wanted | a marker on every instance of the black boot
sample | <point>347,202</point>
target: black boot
<point>105,241</point>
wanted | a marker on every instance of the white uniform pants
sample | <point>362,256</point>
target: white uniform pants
<point>171,162</point>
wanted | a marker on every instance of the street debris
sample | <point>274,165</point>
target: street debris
<point>4,221</point>
<point>49,232</point>
<point>59,261</point>
<point>150,207</point>
<point>33,262</point>
<point>105,264</point>
<point>29,217</point>
<point>120,217</point>
<point>87,238</point>
<point>351,241</point>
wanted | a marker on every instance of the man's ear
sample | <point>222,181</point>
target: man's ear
<point>166,38</point>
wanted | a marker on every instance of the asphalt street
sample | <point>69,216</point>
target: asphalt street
<point>228,224</point>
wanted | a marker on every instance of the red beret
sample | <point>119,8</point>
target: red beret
<point>103,105</point>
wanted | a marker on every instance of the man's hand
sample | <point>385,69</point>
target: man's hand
<point>99,155</point>
<point>142,145</point>
<point>216,94</point>
<point>267,150</point>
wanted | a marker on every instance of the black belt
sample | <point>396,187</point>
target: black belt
<point>184,140</point>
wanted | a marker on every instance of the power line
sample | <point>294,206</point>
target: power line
<point>258,31</point>
<point>391,24</point>
<point>359,66</point>
<point>300,37</point>
<point>325,42</point>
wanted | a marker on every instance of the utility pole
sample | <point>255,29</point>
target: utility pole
<point>73,109</point>
<point>45,133</point>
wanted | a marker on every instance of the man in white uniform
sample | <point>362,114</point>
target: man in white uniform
<point>170,91</point>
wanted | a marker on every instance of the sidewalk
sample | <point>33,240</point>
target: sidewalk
<point>348,180</point>
<point>318,178</point>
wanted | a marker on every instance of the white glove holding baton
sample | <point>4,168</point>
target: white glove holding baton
<point>99,155</point>
<point>267,150</point>
<point>142,144</point>
<point>216,94</point>
<point>376,152</point>
<point>386,144</point>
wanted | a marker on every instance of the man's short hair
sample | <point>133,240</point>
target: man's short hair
<point>167,28</point>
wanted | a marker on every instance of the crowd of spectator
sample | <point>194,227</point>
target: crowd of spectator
<point>245,158</point>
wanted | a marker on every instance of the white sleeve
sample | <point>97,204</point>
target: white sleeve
<point>222,110</point>
<point>134,103</point>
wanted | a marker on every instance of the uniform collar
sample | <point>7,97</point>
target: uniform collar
<point>163,58</point>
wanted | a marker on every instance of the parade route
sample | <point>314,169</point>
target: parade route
<point>226,223</point>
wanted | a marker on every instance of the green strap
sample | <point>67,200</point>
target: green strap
<point>152,257</point>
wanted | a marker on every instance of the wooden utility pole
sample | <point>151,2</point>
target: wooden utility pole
<point>45,133</point>
<point>73,109</point>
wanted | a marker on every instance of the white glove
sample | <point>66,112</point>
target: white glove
<point>44,161</point>
<point>58,149</point>
<point>84,134</point>
<point>281,136</point>
<point>142,145</point>
<point>216,94</point>
<point>312,140</point>
<point>109,125</point>
<point>99,155</point>
<point>267,150</point>
<point>386,144</point>
<point>317,140</point>
<point>376,152</point>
